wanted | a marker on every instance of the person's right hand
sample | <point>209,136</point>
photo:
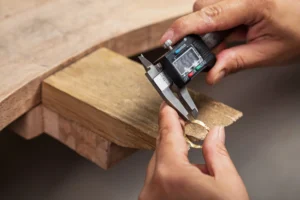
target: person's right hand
<point>170,174</point>
<point>271,29</point>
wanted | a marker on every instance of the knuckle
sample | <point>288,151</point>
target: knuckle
<point>166,177</point>
<point>162,175</point>
<point>212,11</point>
<point>162,172</point>
<point>143,195</point>
<point>218,148</point>
<point>259,10</point>
<point>210,15</point>
<point>180,24</point>
<point>268,6</point>
<point>238,62</point>
<point>197,6</point>
<point>163,130</point>
<point>164,136</point>
<point>221,149</point>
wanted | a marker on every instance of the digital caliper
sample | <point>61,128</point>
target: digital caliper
<point>173,71</point>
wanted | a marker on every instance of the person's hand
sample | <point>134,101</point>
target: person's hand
<point>170,175</point>
<point>271,29</point>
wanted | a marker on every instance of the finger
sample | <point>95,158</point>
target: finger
<point>182,122</point>
<point>150,169</point>
<point>202,168</point>
<point>223,15</point>
<point>241,57</point>
<point>220,48</point>
<point>199,4</point>
<point>237,36</point>
<point>171,145</point>
<point>216,156</point>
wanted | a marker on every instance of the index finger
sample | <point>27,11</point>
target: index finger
<point>223,15</point>
<point>199,4</point>
<point>171,144</point>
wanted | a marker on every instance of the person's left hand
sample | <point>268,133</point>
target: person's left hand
<point>170,175</point>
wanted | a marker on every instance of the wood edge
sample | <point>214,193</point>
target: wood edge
<point>91,146</point>
<point>29,125</point>
<point>84,141</point>
<point>147,42</point>
<point>29,93</point>
<point>118,153</point>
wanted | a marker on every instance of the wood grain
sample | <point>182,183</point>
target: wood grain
<point>10,8</point>
<point>84,141</point>
<point>29,125</point>
<point>110,94</point>
<point>40,39</point>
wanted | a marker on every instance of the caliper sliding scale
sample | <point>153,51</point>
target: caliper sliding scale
<point>174,70</point>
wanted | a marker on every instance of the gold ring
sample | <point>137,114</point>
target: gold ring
<point>189,142</point>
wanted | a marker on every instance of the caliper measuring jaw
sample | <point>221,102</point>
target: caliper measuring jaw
<point>182,102</point>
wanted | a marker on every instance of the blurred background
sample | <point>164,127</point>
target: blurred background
<point>264,145</point>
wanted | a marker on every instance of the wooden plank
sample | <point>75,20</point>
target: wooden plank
<point>110,94</point>
<point>38,42</point>
<point>84,141</point>
<point>29,125</point>
<point>9,8</point>
<point>80,139</point>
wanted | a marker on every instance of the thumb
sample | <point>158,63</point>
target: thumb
<point>217,159</point>
<point>171,145</point>
<point>258,53</point>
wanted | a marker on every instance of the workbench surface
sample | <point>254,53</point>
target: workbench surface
<point>39,38</point>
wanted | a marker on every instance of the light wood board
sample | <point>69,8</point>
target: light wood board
<point>111,95</point>
<point>39,38</point>
<point>10,8</point>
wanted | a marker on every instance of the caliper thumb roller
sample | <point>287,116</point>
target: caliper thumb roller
<point>171,73</point>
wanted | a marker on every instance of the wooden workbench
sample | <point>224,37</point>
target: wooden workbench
<point>41,37</point>
<point>38,38</point>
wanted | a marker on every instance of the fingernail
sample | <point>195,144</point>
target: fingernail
<point>219,76</point>
<point>167,36</point>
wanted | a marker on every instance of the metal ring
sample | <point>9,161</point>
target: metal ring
<point>189,142</point>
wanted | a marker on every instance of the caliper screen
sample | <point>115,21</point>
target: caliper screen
<point>187,61</point>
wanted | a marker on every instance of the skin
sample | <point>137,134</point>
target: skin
<point>271,31</point>
<point>170,175</point>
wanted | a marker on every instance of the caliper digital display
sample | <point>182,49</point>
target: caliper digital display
<point>186,59</point>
